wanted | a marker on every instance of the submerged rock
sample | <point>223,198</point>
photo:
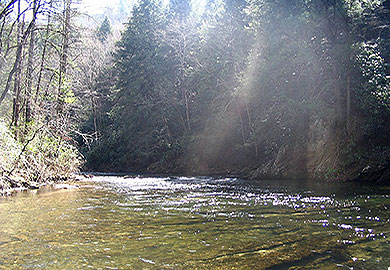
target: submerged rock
<point>64,186</point>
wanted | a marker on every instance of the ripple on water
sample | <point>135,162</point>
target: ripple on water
<point>194,223</point>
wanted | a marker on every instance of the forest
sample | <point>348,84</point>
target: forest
<point>257,88</point>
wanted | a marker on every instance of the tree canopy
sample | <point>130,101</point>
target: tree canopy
<point>266,88</point>
<point>248,84</point>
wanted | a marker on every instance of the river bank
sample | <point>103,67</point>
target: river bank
<point>369,174</point>
<point>324,153</point>
<point>35,158</point>
<point>10,186</point>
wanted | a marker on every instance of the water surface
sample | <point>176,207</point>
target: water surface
<point>197,223</point>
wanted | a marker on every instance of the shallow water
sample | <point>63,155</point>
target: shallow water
<point>197,223</point>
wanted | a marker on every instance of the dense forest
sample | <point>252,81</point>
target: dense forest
<point>259,88</point>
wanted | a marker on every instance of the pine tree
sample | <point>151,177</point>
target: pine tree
<point>104,30</point>
<point>141,111</point>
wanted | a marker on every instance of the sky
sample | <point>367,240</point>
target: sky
<point>98,6</point>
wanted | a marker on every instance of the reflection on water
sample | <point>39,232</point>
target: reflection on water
<point>197,223</point>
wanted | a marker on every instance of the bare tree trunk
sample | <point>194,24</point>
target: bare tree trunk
<point>243,137</point>
<point>16,97</point>
<point>338,96</point>
<point>63,56</point>
<point>2,34</point>
<point>12,72</point>
<point>42,64</point>
<point>98,117</point>
<point>30,68</point>
<point>185,93</point>
<point>187,111</point>
<point>6,8</point>
<point>17,59</point>
<point>5,38</point>
<point>95,118</point>
<point>348,100</point>
<point>251,127</point>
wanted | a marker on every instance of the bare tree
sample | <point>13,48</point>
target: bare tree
<point>22,37</point>
<point>7,8</point>
<point>30,67</point>
<point>64,55</point>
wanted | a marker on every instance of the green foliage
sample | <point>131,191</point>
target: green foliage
<point>373,93</point>
<point>140,111</point>
<point>373,69</point>
<point>38,157</point>
<point>9,148</point>
<point>243,81</point>
<point>104,30</point>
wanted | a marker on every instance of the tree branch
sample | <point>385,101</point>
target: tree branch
<point>18,55</point>
<point>4,11</point>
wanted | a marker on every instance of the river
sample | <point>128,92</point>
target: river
<point>113,222</point>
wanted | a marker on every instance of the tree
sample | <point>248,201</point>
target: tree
<point>140,114</point>
<point>245,84</point>
<point>42,138</point>
<point>64,55</point>
<point>22,37</point>
<point>104,30</point>
<point>179,9</point>
<point>29,75</point>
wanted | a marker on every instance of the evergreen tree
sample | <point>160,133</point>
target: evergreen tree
<point>245,84</point>
<point>104,30</point>
<point>141,112</point>
<point>179,8</point>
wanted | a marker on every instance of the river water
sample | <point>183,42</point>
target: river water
<point>197,223</point>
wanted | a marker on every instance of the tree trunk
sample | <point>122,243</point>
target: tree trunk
<point>338,96</point>
<point>251,127</point>
<point>63,56</point>
<point>42,64</point>
<point>12,72</point>
<point>94,112</point>
<point>17,59</point>
<point>185,92</point>
<point>348,100</point>
<point>6,8</point>
<point>187,111</point>
<point>16,96</point>
<point>243,137</point>
<point>30,68</point>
